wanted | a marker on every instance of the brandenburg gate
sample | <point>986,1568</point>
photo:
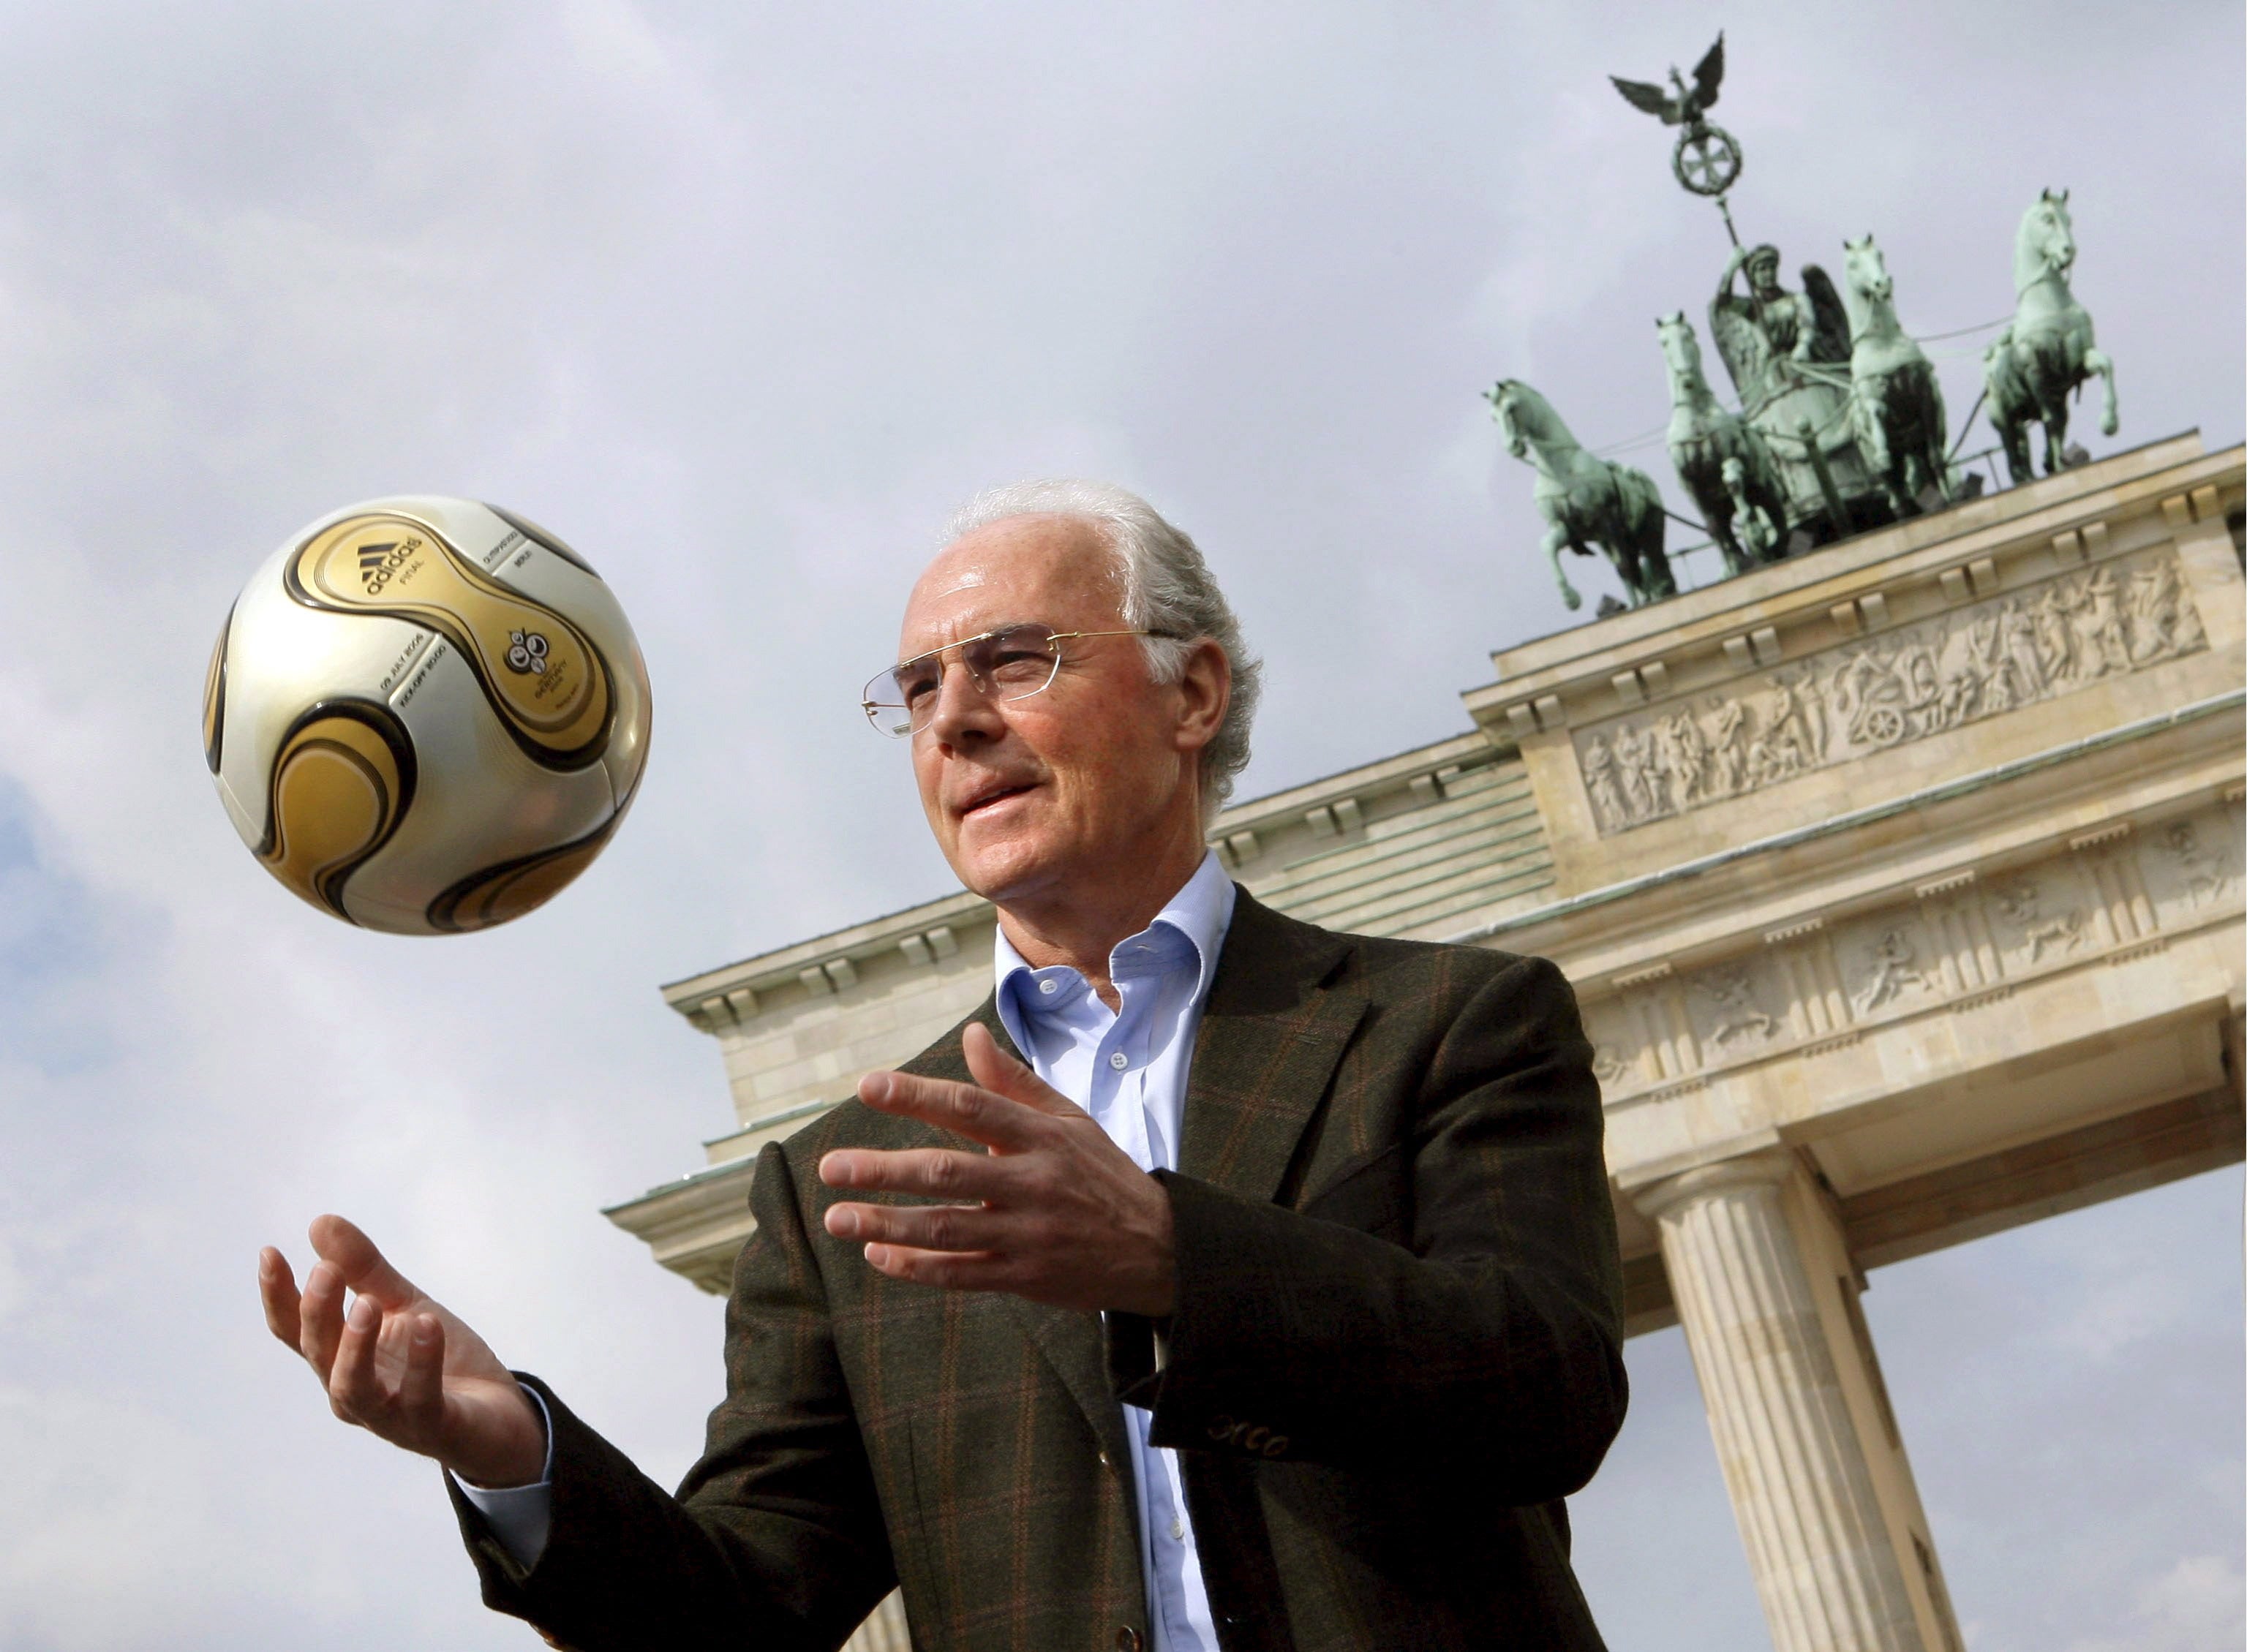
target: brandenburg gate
<point>1900,882</point>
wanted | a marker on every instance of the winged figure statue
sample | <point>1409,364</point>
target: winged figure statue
<point>1771,340</point>
<point>1682,106</point>
<point>1788,356</point>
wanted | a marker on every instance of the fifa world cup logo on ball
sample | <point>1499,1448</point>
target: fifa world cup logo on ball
<point>526,652</point>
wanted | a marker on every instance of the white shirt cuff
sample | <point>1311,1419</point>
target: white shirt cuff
<point>520,1515</point>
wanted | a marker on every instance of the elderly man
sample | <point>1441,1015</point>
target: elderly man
<point>1220,1283</point>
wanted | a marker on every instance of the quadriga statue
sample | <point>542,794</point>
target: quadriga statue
<point>1723,461</point>
<point>2046,353</point>
<point>1585,501</point>
<point>1895,405</point>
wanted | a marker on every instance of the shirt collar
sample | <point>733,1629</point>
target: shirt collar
<point>1200,913</point>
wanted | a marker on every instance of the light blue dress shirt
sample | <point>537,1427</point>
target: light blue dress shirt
<point>1128,1068</point>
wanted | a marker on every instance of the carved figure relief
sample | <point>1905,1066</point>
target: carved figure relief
<point>1612,1065</point>
<point>1619,1053</point>
<point>2162,619</point>
<point>2026,920</point>
<point>1919,680</point>
<point>1898,959</point>
<point>2190,865</point>
<point>1598,764</point>
<point>1889,962</point>
<point>1726,1014</point>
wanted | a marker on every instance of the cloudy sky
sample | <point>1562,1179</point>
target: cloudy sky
<point>741,298</point>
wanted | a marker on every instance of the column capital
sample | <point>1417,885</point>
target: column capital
<point>1767,1165</point>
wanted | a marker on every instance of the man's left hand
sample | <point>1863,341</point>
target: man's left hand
<point>1056,1212</point>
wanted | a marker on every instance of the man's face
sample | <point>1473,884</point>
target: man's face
<point>1094,776</point>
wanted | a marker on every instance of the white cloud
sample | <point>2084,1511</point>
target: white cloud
<point>2199,1605</point>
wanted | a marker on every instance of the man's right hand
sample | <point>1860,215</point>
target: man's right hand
<point>398,1364</point>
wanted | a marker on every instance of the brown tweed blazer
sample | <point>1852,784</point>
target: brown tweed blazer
<point>1397,1346</point>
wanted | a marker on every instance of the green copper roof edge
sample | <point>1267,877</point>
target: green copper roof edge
<point>2231,700</point>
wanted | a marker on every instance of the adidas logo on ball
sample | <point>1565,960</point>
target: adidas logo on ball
<point>378,563</point>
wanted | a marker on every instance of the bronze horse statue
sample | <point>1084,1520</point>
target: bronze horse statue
<point>1720,457</point>
<point>2045,354</point>
<point>1895,404</point>
<point>1585,500</point>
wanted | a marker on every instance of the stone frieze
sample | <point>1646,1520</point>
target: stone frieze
<point>1948,948</point>
<point>1888,690</point>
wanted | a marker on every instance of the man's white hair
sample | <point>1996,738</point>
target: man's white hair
<point>1164,585</point>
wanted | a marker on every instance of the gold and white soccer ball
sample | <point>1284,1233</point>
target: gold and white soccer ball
<point>426,715</point>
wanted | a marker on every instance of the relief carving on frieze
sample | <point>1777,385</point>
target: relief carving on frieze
<point>1732,1005</point>
<point>1815,987</point>
<point>1921,679</point>
<point>1889,960</point>
<point>2041,914</point>
<point>2190,865</point>
<point>1613,1066</point>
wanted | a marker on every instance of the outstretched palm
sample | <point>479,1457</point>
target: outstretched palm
<point>397,1364</point>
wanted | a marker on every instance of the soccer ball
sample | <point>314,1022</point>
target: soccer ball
<point>426,715</point>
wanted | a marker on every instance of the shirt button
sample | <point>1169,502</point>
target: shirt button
<point>1119,1061</point>
<point>1178,1531</point>
<point>1048,986</point>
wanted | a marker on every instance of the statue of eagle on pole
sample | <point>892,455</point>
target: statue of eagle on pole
<point>1682,106</point>
<point>1707,158</point>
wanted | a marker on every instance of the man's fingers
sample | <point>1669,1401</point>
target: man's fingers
<point>938,1172</point>
<point>364,1267</point>
<point>949,1270</point>
<point>931,1227</point>
<point>320,1317</point>
<point>995,1069</point>
<point>353,1389</point>
<point>980,1115</point>
<point>277,1290</point>
<point>421,1390</point>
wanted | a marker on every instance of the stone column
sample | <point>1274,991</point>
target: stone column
<point>1825,1552</point>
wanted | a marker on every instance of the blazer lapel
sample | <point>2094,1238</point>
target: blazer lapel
<point>1069,1340</point>
<point>1272,1034</point>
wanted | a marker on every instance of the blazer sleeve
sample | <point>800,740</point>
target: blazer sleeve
<point>1477,1326</point>
<point>774,1540</point>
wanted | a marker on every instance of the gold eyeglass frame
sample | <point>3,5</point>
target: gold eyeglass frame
<point>872,708</point>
